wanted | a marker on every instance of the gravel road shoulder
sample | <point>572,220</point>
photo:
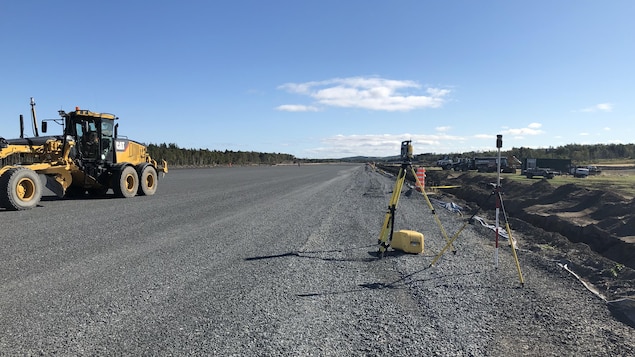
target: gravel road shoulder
<point>460,306</point>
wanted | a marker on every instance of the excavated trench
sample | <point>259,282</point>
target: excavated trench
<point>599,219</point>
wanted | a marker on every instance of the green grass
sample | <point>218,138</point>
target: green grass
<point>613,162</point>
<point>619,181</point>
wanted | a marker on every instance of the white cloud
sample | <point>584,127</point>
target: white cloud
<point>296,108</point>
<point>371,93</point>
<point>381,145</point>
<point>443,128</point>
<point>602,107</point>
<point>531,129</point>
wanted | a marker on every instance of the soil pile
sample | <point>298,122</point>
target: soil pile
<point>601,219</point>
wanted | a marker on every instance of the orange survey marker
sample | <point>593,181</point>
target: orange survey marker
<point>421,176</point>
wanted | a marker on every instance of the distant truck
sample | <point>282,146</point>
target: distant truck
<point>594,170</point>
<point>463,164</point>
<point>490,164</point>
<point>557,165</point>
<point>579,171</point>
<point>540,171</point>
<point>446,163</point>
<point>481,164</point>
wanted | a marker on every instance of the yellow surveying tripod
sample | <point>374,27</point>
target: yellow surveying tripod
<point>385,237</point>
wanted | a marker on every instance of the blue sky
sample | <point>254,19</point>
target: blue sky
<point>328,79</point>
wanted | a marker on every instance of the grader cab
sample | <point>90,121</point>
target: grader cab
<point>88,157</point>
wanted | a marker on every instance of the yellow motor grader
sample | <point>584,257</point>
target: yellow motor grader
<point>88,158</point>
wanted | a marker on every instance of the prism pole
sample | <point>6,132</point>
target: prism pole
<point>499,144</point>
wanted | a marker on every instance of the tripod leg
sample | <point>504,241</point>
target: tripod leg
<point>385,236</point>
<point>454,237</point>
<point>448,244</point>
<point>434,213</point>
<point>511,242</point>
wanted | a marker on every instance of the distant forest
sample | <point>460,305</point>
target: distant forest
<point>576,152</point>
<point>179,157</point>
<point>176,156</point>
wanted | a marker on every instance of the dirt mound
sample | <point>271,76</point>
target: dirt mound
<point>601,219</point>
<point>597,225</point>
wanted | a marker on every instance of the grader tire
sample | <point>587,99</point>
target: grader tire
<point>20,189</point>
<point>148,181</point>
<point>126,182</point>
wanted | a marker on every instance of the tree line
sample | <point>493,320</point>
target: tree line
<point>580,153</point>
<point>176,156</point>
<point>180,157</point>
<point>576,152</point>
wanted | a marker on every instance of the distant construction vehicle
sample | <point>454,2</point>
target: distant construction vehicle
<point>481,164</point>
<point>88,157</point>
<point>464,164</point>
<point>579,171</point>
<point>446,163</point>
<point>559,166</point>
<point>539,171</point>
<point>490,164</point>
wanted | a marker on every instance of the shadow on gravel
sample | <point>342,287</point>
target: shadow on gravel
<point>289,254</point>
<point>333,292</point>
<point>74,198</point>
<point>308,254</point>
<point>401,283</point>
<point>78,198</point>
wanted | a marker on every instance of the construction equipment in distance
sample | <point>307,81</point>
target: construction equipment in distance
<point>88,157</point>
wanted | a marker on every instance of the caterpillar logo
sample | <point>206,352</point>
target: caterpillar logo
<point>121,145</point>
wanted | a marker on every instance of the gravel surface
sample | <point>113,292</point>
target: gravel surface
<point>273,261</point>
